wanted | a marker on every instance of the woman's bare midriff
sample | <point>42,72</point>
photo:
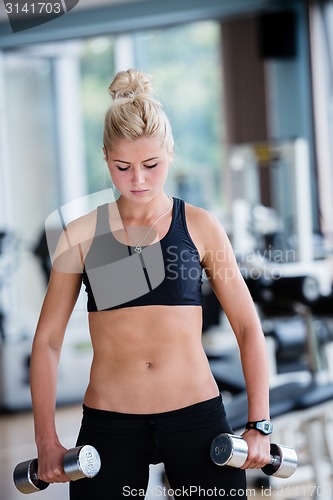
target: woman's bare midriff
<point>148,359</point>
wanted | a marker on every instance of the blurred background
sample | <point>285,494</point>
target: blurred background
<point>248,88</point>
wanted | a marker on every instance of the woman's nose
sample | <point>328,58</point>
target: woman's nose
<point>138,176</point>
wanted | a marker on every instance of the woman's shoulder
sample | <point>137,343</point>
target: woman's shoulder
<point>74,239</point>
<point>82,228</point>
<point>206,228</point>
<point>200,217</point>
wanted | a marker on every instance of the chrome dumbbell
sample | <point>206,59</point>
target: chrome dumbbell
<point>227,449</point>
<point>80,462</point>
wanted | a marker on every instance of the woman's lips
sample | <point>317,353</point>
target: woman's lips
<point>139,191</point>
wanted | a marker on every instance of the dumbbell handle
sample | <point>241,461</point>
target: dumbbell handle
<point>275,460</point>
<point>79,462</point>
<point>227,449</point>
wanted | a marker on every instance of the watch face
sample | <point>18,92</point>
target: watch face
<point>265,427</point>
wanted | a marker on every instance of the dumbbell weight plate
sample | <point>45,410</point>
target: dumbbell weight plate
<point>229,450</point>
<point>82,461</point>
<point>232,451</point>
<point>26,479</point>
<point>286,462</point>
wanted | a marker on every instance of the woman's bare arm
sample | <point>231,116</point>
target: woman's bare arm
<point>62,293</point>
<point>229,287</point>
<point>59,302</point>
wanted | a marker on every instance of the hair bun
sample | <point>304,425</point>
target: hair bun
<point>129,84</point>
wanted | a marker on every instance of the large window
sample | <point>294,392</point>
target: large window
<point>29,172</point>
<point>97,66</point>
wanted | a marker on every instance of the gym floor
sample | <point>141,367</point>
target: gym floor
<point>17,445</point>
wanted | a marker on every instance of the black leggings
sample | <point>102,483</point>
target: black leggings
<point>181,439</point>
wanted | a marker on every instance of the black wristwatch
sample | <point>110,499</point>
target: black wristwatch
<point>263,426</point>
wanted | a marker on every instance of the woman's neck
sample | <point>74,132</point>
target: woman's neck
<point>142,213</point>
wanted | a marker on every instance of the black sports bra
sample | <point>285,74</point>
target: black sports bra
<point>164,273</point>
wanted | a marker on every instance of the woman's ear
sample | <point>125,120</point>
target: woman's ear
<point>105,153</point>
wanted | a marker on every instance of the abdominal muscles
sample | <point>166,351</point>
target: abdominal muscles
<point>148,360</point>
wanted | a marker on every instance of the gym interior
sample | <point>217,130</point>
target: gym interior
<point>247,85</point>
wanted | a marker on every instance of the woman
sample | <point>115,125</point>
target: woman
<point>151,396</point>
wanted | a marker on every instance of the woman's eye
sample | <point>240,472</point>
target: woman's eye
<point>122,169</point>
<point>151,166</point>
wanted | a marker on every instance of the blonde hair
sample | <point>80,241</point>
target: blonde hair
<point>135,112</point>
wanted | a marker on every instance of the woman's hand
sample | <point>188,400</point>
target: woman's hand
<point>258,449</point>
<point>50,463</point>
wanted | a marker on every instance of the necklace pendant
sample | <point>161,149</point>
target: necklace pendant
<point>138,249</point>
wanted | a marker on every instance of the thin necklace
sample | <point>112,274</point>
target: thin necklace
<point>138,247</point>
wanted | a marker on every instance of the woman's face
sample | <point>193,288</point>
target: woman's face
<point>138,168</point>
